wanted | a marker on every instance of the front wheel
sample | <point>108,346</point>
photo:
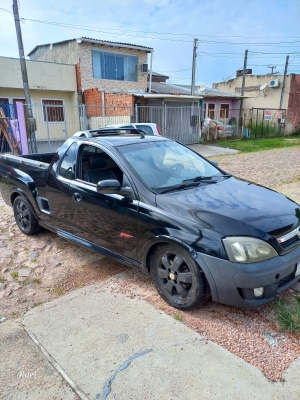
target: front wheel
<point>24,217</point>
<point>177,277</point>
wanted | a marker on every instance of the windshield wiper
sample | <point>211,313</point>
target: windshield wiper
<point>179,187</point>
<point>208,178</point>
<point>202,178</point>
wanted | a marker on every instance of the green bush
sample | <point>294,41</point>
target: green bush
<point>288,315</point>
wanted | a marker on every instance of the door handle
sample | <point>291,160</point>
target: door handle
<point>77,197</point>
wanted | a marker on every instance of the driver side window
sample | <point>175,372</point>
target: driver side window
<point>66,169</point>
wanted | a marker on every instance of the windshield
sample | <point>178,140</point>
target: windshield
<point>166,164</point>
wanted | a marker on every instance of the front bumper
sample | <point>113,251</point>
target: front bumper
<point>233,283</point>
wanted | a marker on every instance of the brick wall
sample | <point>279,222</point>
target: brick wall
<point>78,77</point>
<point>86,64</point>
<point>116,104</point>
<point>294,102</point>
<point>93,102</point>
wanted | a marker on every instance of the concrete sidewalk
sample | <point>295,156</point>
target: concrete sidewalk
<point>109,346</point>
<point>208,150</point>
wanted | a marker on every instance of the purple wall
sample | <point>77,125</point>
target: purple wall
<point>22,127</point>
<point>234,105</point>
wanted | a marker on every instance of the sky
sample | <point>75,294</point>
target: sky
<point>268,29</point>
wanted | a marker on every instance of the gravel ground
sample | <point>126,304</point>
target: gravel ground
<point>38,269</point>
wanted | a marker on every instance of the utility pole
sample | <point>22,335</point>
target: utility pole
<point>242,93</point>
<point>283,83</point>
<point>30,119</point>
<point>194,66</point>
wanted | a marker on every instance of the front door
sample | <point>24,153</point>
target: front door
<point>107,220</point>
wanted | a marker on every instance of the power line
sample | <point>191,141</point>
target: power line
<point>250,44</point>
<point>110,31</point>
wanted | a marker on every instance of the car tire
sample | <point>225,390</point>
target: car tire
<point>177,277</point>
<point>24,217</point>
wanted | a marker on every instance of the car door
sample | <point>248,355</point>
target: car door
<point>107,220</point>
<point>56,206</point>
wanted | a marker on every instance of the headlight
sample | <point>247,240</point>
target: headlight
<point>248,249</point>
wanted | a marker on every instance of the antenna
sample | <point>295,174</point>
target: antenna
<point>263,86</point>
<point>272,67</point>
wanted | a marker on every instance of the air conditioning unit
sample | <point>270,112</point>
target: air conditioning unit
<point>144,68</point>
<point>274,83</point>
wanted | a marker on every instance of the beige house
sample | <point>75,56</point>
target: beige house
<point>53,89</point>
<point>108,75</point>
<point>264,92</point>
<point>107,66</point>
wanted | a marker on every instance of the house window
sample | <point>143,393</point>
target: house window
<point>211,111</point>
<point>53,110</point>
<point>113,66</point>
<point>224,110</point>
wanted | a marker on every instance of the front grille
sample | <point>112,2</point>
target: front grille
<point>287,279</point>
<point>292,241</point>
<point>289,240</point>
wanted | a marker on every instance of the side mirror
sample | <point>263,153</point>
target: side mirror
<point>126,191</point>
<point>109,186</point>
<point>214,163</point>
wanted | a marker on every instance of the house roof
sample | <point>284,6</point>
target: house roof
<point>167,96</point>
<point>97,41</point>
<point>165,88</point>
<point>161,87</point>
<point>158,74</point>
<point>211,92</point>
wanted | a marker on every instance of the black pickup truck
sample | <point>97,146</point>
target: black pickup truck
<point>154,204</point>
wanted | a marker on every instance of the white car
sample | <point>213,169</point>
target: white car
<point>150,128</point>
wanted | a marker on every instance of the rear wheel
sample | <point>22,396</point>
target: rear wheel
<point>177,277</point>
<point>24,217</point>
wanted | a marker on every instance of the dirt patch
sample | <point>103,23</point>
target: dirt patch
<point>40,268</point>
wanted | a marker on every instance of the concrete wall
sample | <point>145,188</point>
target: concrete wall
<point>66,52</point>
<point>86,69</point>
<point>41,75</point>
<point>268,98</point>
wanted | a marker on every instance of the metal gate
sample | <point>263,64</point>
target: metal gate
<point>181,123</point>
<point>56,122</point>
<point>268,122</point>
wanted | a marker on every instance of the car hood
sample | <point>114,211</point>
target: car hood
<point>234,207</point>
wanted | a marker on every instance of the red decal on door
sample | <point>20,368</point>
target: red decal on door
<point>125,235</point>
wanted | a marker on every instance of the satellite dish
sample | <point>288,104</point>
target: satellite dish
<point>201,88</point>
<point>263,86</point>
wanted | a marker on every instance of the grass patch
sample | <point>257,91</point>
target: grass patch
<point>15,274</point>
<point>58,291</point>
<point>288,315</point>
<point>2,280</point>
<point>14,314</point>
<point>36,280</point>
<point>252,145</point>
<point>178,316</point>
